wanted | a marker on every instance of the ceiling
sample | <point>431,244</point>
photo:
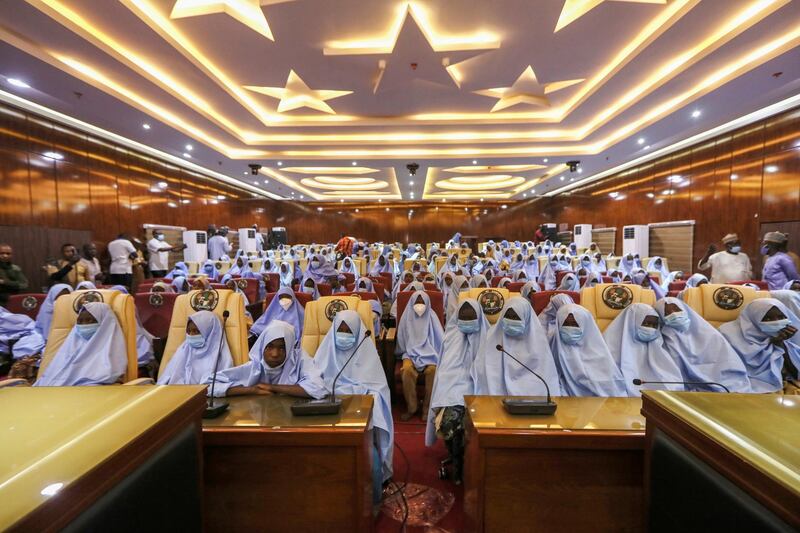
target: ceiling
<point>333,98</point>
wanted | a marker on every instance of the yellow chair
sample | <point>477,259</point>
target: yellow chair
<point>492,303</point>
<point>720,303</point>
<point>235,328</point>
<point>255,264</point>
<point>303,262</point>
<point>65,315</point>
<point>360,264</point>
<point>222,267</point>
<point>194,267</point>
<point>319,316</point>
<point>408,263</point>
<point>611,263</point>
<point>607,300</point>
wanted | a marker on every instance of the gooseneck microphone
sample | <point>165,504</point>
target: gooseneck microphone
<point>214,407</point>
<point>639,382</point>
<point>525,406</point>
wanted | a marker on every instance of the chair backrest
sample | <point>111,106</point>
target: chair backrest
<point>655,276</point>
<point>362,295</point>
<point>763,285</point>
<point>217,302</point>
<point>539,300</point>
<point>324,289</point>
<point>349,277</point>
<point>408,263</point>
<point>437,303</point>
<point>375,285</point>
<point>155,311</point>
<point>250,288</point>
<point>302,297</point>
<point>607,300</point>
<point>193,266</point>
<point>255,264</point>
<point>720,303</point>
<point>677,286</point>
<point>360,264</point>
<point>491,300</point>
<point>320,313</point>
<point>515,286</point>
<point>560,275</point>
<point>386,278</point>
<point>25,304</point>
<point>273,281</point>
<point>65,315</point>
<point>428,286</point>
<point>222,267</point>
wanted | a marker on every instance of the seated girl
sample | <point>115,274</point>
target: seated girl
<point>547,318</point>
<point>309,286</point>
<point>194,360</point>
<point>285,307</point>
<point>45,315</point>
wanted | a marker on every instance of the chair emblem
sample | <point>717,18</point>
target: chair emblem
<point>85,298</point>
<point>617,296</point>
<point>29,303</point>
<point>218,265</point>
<point>728,298</point>
<point>156,300</point>
<point>205,300</point>
<point>241,283</point>
<point>491,301</point>
<point>333,307</point>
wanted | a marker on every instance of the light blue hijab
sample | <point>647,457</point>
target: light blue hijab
<point>99,360</point>
<point>297,369</point>
<point>651,266</point>
<point>702,352</point>
<point>639,277</point>
<point>528,288</point>
<point>190,365</point>
<point>294,315</point>
<point>45,315</point>
<point>268,266</point>
<point>364,375</point>
<point>209,268</point>
<point>180,269</point>
<point>315,292</point>
<point>789,298</point>
<point>570,283</point>
<point>626,265</point>
<point>179,285</point>
<point>351,269</point>
<point>498,375</point>
<point>547,318</point>
<point>144,339</point>
<point>286,276</point>
<point>85,286</point>
<point>599,265</point>
<point>22,330</point>
<point>420,338</point>
<point>585,366</point>
<point>452,298</point>
<point>670,278</point>
<point>695,279</point>
<point>648,361</point>
<point>241,271</point>
<point>548,275</point>
<point>531,267</point>
<point>322,271</point>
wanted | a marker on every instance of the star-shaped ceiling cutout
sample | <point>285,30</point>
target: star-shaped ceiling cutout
<point>248,12</point>
<point>414,50</point>
<point>575,9</point>
<point>297,94</point>
<point>526,90</point>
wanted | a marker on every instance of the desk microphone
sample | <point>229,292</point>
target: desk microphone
<point>638,382</point>
<point>212,410</point>
<point>329,405</point>
<point>525,406</point>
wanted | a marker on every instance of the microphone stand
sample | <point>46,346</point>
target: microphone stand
<point>214,408</point>
<point>524,406</point>
<point>638,381</point>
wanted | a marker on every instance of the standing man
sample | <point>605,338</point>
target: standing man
<point>259,239</point>
<point>211,231</point>
<point>539,236</point>
<point>218,246</point>
<point>779,268</point>
<point>89,261</point>
<point>69,270</point>
<point>159,254</point>
<point>12,280</point>
<point>728,265</point>
<point>122,253</point>
<point>345,246</point>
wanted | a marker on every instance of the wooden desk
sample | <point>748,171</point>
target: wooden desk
<point>119,458</point>
<point>739,452</point>
<point>578,470</point>
<point>266,470</point>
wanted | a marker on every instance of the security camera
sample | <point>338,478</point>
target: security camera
<point>254,168</point>
<point>573,165</point>
<point>412,168</point>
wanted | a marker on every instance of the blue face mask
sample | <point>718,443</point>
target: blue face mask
<point>570,334</point>
<point>773,326</point>
<point>678,320</point>
<point>735,249</point>
<point>308,290</point>
<point>87,330</point>
<point>512,327</point>
<point>586,262</point>
<point>764,250</point>
<point>646,334</point>
<point>469,326</point>
<point>195,341</point>
<point>344,340</point>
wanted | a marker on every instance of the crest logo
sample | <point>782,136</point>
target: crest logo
<point>205,300</point>
<point>333,307</point>
<point>156,300</point>
<point>241,283</point>
<point>728,298</point>
<point>491,301</point>
<point>218,265</point>
<point>29,303</point>
<point>617,296</point>
<point>85,298</point>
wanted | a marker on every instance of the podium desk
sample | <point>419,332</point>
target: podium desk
<point>267,470</point>
<point>577,470</point>
<point>722,462</point>
<point>110,458</point>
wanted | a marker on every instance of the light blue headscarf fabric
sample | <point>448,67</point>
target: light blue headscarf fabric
<point>478,281</point>
<point>547,318</point>
<point>180,285</point>
<point>570,283</point>
<point>286,274</point>
<point>452,298</point>
<point>695,279</point>
<point>180,269</point>
<point>789,298</point>
<point>351,269</point>
<point>586,367</point>
<point>420,337</point>
<point>788,285</point>
<point>599,264</point>
<point>85,286</point>
<point>639,277</point>
<point>548,275</point>
<point>315,292</point>
<point>144,339</point>
<point>529,287</point>
<point>297,369</point>
<point>382,263</point>
<point>626,265</point>
<point>517,262</point>
<point>22,329</point>
<point>531,267</point>
<point>652,267</point>
<point>323,271</point>
<point>761,357</point>
<point>702,352</point>
<point>648,361</point>
<point>268,266</point>
<point>99,360</point>
<point>592,279</point>
<point>453,378</point>
<point>670,278</point>
<point>241,271</point>
<point>364,375</point>
<point>209,269</point>
<point>498,375</point>
<point>294,315</point>
<point>190,365</point>
<point>45,315</point>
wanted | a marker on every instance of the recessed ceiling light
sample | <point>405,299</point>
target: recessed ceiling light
<point>443,200</point>
<point>771,168</point>
<point>189,147</point>
<point>675,178</point>
<point>255,183</point>
<point>580,171</point>
<point>387,208</point>
<point>571,180</point>
<point>734,177</point>
<point>561,178</point>
<point>524,195</point>
<point>185,201</point>
<point>545,160</point>
<point>53,155</point>
<point>16,82</point>
<point>162,184</point>
<point>380,200</point>
<point>155,189</point>
<point>641,140</point>
<point>533,191</point>
<point>481,199</point>
<point>696,113</point>
<point>651,195</point>
<point>411,183</point>
<point>172,204</point>
<point>245,173</point>
<point>613,194</point>
<point>474,161</point>
<point>266,181</point>
<point>187,155</point>
<point>647,147</point>
<point>354,163</point>
<point>301,196</point>
<point>341,200</point>
<point>220,197</point>
<point>504,206</point>
<point>319,209</point>
<point>146,126</point>
<point>356,210</point>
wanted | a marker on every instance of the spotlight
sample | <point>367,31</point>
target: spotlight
<point>573,165</point>
<point>254,168</point>
<point>412,168</point>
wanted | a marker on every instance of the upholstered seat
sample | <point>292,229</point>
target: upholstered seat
<point>607,300</point>
<point>25,304</point>
<point>436,298</point>
<point>319,316</point>
<point>720,303</point>
<point>492,303</point>
<point>539,300</point>
<point>155,311</point>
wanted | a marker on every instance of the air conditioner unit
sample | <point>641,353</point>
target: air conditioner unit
<point>636,240</point>
<point>196,242</point>
<point>582,236</point>
<point>247,240</point>
<point>550,231</point>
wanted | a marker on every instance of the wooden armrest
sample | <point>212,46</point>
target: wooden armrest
<point>14,382</point>
<point>140,381</point>
<point>391,333</point>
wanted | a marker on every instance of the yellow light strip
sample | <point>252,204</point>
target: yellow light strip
<point>330,170</point>
<point>340,192</point>
<point>375,185</point>
<point>482,169</point>
<point>508,181</point>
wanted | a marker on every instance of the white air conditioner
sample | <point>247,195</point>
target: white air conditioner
<point>196,242</point>
<point>636,240</point>
<point>582,236</point>
<point>247,240</point>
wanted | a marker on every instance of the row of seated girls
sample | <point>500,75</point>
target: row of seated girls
<point>668,342</point>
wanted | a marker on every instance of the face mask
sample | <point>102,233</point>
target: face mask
<point>735,249</point>
<point>512,327</point>
<point>308,290</point>
<point>419,309</point>
<point>678,320</point>
<point>468,326</point>
<point>160,237</point>
<point>315,263</point>
<point>86,330</point>
<point>764,250</point>
<point>463,289</point>
<point>570,334</point>
<point>344,340</point>
<point>195,341</point>
<point>286,303</point>
<point>586,262</point>
<point>773,326</point>
<point>646,333</point>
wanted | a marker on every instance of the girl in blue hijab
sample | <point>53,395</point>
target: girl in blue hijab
<point>45,315</point>
<point>268,266</point>
<point>309,286</point>
<point>548,275</point>
<point>348,266</point>
<point>21,331</point>
<point>627,264</point>
<point>180,269</point>
<point>241,265</point>
<point>644,280</point>
<point>547,318</point>
<point>419,341</point>
<point>94,352</point>
<point>319,269</point>
<point>599,264</point>
<point>570,283</point>
<point>284,307</point>
<point>209,269</point>
<point>144,339</point>
<point>531,267</point>
<point>528,288</point>
<point>180,285</point>
<point>286,274</point>
<point>194,360</point>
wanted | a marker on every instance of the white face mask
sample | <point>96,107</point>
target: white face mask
<point>419,309</point>
<point>286,303</point>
